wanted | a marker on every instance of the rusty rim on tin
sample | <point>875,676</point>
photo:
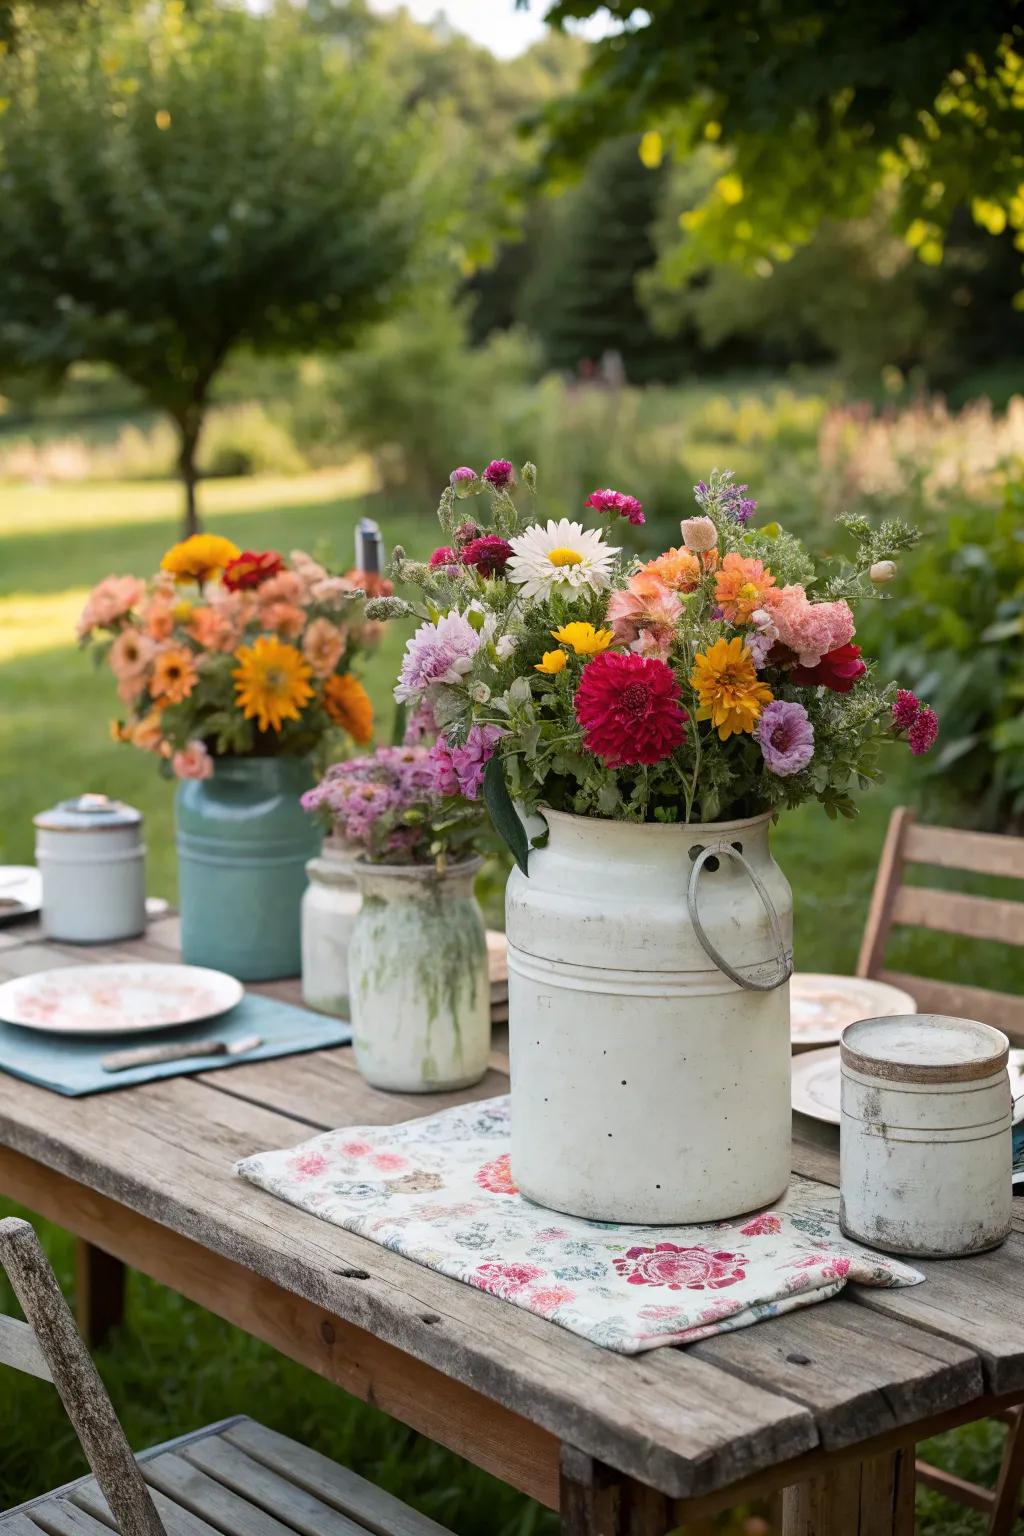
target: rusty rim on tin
<point>927,1072</point>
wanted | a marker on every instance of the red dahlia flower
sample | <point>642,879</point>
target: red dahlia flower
<point>837,670</point>
<point>628,706</point>
<point>489,554</point>
<point>251,569</point>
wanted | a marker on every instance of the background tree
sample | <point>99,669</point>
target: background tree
<point>179,182</point>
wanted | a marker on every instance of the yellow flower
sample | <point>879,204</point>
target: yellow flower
<point>199,558</point>
<point>584,638</point>
<point>348,705</point>
<point>271,682</point>
<point>119,731</point>
<point>182,611</point>
<point>553,662</point>
<point>727,686</point>
<point>174,675</point>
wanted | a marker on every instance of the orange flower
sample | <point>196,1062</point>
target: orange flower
<point>348,705</point>
<point>681,569</point>
<point>284,619</point>
<point>322,646</point>
<point>174,675</point>
<point>129,658</point>
<point>158,617</point>
<point>147,734</point>
<point>741,586</point>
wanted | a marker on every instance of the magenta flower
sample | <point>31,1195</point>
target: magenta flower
<point>463,480</point>
<point>488,554</point>
<point>904,711</point>
<point>499,473</point>
<point>460,770</point>
<point>785,736</point>
<point>923,731</point>
<point>617,505</point>
<point>443,556</point>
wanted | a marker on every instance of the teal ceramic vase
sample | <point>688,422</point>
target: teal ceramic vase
<point>243,845</point>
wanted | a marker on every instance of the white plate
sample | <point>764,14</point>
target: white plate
<point>817,1079</point>
<point>21,891</point>
<point>117,999</point>
<point>821,1006</point>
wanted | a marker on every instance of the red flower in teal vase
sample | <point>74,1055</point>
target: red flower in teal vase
<point>496,1177</point>
<point>691,1269</point>
<point>506,1280</point>
<point>761,1226</point>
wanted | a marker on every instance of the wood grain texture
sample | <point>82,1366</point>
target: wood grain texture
<point>99,1293</point>
<point>984,853</point>
<point>1000,1009</point>
<point>19,1348</point>
<point>595,1501</point>
<point>973,917</point>
<point>868,1498</point>
<point>887,881</point>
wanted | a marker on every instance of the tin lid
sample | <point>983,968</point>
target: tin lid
<point>923,1048</point>
<point>88,813</point>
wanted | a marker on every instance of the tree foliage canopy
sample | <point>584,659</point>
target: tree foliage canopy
<point>814,109</point>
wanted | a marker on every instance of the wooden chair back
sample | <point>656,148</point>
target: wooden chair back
<point>893,904</point>
<point>48,1346</point>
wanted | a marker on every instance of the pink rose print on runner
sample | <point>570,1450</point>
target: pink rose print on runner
<point>691,1269</point>
<point>506,1279</point>
<point>309,1164</point>
<point>550,1299</point>
<point>355,1148</point>
<point>389,1162</point>
<point>833,1266</point>
<point>762,1225</point>
<point>497,1176</point>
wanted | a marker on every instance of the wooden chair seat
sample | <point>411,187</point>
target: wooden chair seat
<point>232,1479</point>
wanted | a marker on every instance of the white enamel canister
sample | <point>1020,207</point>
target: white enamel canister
<point>330,906</point>
<point>925,1143</point>
<point>91,856</point>
<point>648,1085</point>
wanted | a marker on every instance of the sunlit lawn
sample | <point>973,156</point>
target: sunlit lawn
<point>176,1367</point>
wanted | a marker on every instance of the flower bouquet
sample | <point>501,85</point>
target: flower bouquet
<point>233,667</point>
<point>417,973</point>
<point>656,715</point>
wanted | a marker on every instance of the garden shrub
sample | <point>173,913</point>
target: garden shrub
<point>248,440</point>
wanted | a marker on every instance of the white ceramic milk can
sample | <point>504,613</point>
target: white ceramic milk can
<point>925,1146</point>
<point>330,906</point>
<point>649,1020</point>
<point>93,863</point>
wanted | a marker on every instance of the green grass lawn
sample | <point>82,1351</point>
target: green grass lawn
<point>174,1367</point>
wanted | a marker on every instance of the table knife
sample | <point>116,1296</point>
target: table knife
<point>156,1055</point>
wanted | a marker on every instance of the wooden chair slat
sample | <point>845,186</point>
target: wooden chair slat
<point>189,1487</point>
<point>19,1348</point>
<point>970,1495</point>
<point>368,1505</point>
<point>975,917</point>
<point>999,1009</point>
<point>983,853</point>
<point>176,1520</point>
<point>20,1525</point>
<point>301,1510</point>
<point>60,1517</point>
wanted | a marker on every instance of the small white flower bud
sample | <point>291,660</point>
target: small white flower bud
<point>882,571</point>
<point>479,693</point>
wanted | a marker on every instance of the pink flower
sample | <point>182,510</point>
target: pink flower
<point>923,732</point>
<point>499,473</point>
<point>629,709</point>
<point>809,629</point>
<point>194,762</point>
<point>692,1269</point>
<point>904,711</point>
<point>322,645</point>
<point>130,657</point>
<point>389,1162</point>
<point>109,602</point>
<point>285,587</point>
<point>760,1226</point>
<point>644,616</point>
<point>617,505</point>
<point>307,1165</point>
<point>445,556</point>
<point>355,1148</point>
<point>463,480</point>
<point>506,1280</point>
<point>699,534</point>
<point>785,736</point>
<point>437,653</point>
<point>550,1298</point>
<point>460,770</point>
<point>497,1177</point>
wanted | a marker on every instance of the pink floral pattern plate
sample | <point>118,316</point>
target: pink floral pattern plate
<point>441,1191</point>
<point>86,1000</point>
<point>821,1006</point>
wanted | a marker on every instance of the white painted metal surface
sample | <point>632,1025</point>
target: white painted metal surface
<point>330,906</point>
<point>90,854</point>
<point>419,990</point>
<point>925,1145</point>
<point>646,1085</point>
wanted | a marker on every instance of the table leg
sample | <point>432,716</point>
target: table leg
<point>597,1501</point>
<point>99,1292</point>
<point>855,1498</point>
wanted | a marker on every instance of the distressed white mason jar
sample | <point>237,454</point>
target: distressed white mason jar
<point>330,906</point>
<point>93,862</point>
<point>925,1145</point>
<point>648,1085</point>
<point>419,991</point>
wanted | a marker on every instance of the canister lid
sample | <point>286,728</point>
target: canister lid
<point>88,813</point>
<point>923,1048</point>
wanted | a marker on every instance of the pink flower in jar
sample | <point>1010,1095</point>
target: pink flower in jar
<point>691,1269</point>
<point>194,762</point>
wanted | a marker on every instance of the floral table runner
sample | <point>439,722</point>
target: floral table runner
<point>439,1190</point>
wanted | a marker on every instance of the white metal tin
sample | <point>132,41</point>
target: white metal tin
<point>330,906</point>
<point>646,1085</point>
<point>925,1146</point>
<point>92,860</point>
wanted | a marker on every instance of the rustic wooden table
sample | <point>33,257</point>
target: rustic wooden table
<point>825,1403</point>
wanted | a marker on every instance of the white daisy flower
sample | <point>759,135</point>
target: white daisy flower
<point>563,555</point>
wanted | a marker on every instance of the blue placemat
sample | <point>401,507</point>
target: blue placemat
<point>72,1067</point>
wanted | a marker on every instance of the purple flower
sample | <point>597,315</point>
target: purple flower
<point>420,723</point>
<point>463,481</point>
<point>437,653</point>
<point>617,504</point>
<point>489,554</point>
<point>460,770</point>
<point>904,711</point>
<point>499,473</point>
<point>785,736</point>
<point>726,499</point>
<point>923,731</point>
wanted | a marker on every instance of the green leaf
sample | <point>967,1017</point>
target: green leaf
<point>504,814</point>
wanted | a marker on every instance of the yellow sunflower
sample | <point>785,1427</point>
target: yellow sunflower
<point>727,686</point>
<point>199,558</point>
<point>584,639</point>
<point>271,682</point>
<point>348,705</point>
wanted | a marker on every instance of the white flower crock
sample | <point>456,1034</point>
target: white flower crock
<point>647,1085</point>
<point>330,906</point>
<point>419,990</point>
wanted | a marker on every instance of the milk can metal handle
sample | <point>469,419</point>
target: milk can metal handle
<point>783,956</point>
